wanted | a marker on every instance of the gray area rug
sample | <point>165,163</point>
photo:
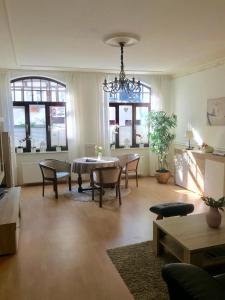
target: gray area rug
<point>141,270</point>
<point>110,194</point>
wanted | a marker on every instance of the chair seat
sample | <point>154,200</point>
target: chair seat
<point>172,209</point>
<point>62,174</point>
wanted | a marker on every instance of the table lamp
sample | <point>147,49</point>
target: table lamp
<point>189,136</point>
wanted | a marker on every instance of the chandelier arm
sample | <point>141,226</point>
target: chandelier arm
<point>122,82</point>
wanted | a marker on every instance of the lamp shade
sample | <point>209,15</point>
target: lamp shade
<point>189,134</point>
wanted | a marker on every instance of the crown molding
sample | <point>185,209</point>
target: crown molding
<point>72,69</point>
<point>199,68</point>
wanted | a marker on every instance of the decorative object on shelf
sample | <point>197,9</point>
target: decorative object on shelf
<point>122,83</point>
<point>127,144</point>
<point>115,131</point>
<point>99,151</point>
<point>42,147</point>
<point>207,149</point>
<point>19,149</point>
<point>33,149</point>
<point>141,144</point>
<point>58,148</point>
<point>189,136</point>
<point>161,137</point>
<point>213,217</point>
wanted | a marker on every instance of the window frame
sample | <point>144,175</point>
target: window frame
<point>133,105</point>
<point>47,105</point>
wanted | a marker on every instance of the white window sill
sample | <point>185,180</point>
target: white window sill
<point>131,148</point>
<point>46,152</point>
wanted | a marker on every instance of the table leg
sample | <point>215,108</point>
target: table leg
<point>79,180</point>
<point>157,247</point>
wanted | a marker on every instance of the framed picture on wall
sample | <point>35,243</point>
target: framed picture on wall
<point>216,112</point>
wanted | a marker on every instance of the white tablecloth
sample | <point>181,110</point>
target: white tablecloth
<point>85,165</point>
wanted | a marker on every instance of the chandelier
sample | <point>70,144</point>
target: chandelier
<point>122,83</point>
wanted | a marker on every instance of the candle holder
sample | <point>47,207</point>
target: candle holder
<point>189,136</point>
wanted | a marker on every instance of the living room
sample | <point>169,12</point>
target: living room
<point>59,61</point>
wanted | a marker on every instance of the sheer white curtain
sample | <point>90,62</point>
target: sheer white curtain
<point>92,110</point>
<point>6,114</point>
<point>160,100</point>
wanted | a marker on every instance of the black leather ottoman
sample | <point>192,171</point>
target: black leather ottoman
<point>172,209</point>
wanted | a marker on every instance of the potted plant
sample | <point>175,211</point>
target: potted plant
<point>160,139</point>
<point>213,217</point>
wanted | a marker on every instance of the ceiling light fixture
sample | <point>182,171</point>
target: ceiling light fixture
<point>122,83</point>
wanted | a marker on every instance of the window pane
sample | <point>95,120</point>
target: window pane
<point>36,84</point>
<point>37,125</point>
<point>44,84</point>
<point>27,84</point>
<point>44,95</point>
<point>53,95</point>
<point>137,97</point>
<point>27,96</point>
<point>141,128</point>
<point>18,96</point>
<point>62,96</point>
<point>36,96</point>
<point>18,83</point>
<point>58,125</point>
<point>19,126</point>
<point>112,125</point>
<point>125,124</point>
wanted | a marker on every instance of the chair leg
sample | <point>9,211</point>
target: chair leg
<point>116,191</point>
<point>69,183</point>
<point>136,179</point>
<point>56,189</point>
<point>126,180</point>
<point>119,194</point>
<point>93,192</point>
<point>43,188</point>
<point>100,197</point>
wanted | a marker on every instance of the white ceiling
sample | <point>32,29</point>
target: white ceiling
<point>175,34</point>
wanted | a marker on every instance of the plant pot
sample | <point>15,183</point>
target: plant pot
<point>162,177</point>
<point>213,217</point>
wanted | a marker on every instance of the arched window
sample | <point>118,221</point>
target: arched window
<point>127,118</point>
<point>39,111</point>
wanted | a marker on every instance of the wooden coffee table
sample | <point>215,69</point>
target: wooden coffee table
<point>190,240</point>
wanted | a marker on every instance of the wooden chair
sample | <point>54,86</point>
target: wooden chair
<point>131,167</point>
<point>54,170</point>
<point>106,178</point>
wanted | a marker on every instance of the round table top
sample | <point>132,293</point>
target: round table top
<point>86,164</point>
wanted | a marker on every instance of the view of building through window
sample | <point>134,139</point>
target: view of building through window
<point>39,111</point>
<point>127,118</point>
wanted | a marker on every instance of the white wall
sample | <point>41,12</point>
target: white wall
<point>189,96</point>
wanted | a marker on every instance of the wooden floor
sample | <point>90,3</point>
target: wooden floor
<point>62,247</point>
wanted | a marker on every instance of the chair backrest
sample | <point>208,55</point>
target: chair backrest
<point>47,170</point>
<point>109,175</point>
<point>132,162</point>
<point>123,159</point>
<point>50,166</point>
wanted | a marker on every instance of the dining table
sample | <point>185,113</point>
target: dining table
<point>85,165</point>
